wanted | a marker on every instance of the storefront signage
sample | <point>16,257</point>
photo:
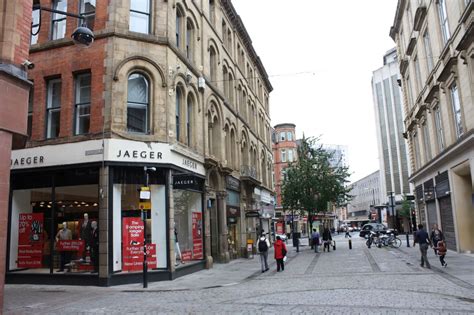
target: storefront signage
<point>266,197</point>
<point>71,246</point>
<point>135,154</point>
<point>117,150</point>
<point>232,183</point>
<point>186,182</point>
<point>30,240</point>
<point>197,235</point>
<point>252,214</point>
<point>27,161</point>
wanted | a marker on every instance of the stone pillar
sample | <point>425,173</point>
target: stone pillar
<point>5,154</point>
<point>104,222</point>
<point>223,233</point>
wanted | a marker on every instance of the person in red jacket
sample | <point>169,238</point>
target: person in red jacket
<point>280,253</point>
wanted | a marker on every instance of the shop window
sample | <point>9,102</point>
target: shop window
<point>46,229</point>
<point>58,21</point>
<point>53,108</point>
<point>188,227</point>
<point>82,103</point>
<point>137,103</point>
<point>129,226</point>
<point>140,16</point>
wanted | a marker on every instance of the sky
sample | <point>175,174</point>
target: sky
<point>320,55</point>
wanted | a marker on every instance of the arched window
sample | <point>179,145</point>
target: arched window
<point>189,40</point>
<point>189,120</point>
<point>212,11</point>
<point>137,103</point>
<point>178,108</point>
<point>233,146</point>
<point>212,63</point>
<point>230,89</point>
<point>179,27</point>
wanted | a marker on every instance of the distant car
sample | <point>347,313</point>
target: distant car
<point>374,227</point>
<point>350,229</point>
<point>282,236</point>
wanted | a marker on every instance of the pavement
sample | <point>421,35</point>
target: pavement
<point>356,281</point>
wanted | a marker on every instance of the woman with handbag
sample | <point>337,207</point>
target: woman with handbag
<point>280,253</point>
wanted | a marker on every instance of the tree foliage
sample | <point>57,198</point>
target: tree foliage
<point>311,184</point>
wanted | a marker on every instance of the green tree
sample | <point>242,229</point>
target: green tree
<point>311,184</point>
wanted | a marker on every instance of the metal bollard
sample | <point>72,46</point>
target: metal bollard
<point>408,240</point>
<point>350,244</point>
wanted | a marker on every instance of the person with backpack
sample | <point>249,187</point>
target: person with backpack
<point>263,246</point>
<point>280,253</point>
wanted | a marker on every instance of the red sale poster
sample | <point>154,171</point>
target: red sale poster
<point>197,235</point>
<point>132,244</point>
<point>30,240</point>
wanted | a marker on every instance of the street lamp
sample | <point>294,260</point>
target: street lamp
<point>82,36</point>
<point>392,205</point>
<point>144,217</point>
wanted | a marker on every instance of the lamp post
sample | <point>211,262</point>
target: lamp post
<point>392,205</point>
<point>144,218</point>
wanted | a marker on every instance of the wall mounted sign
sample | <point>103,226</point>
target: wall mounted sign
<point>186,182</point>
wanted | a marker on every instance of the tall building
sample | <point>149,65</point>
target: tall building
<point>170,103</point>
<point>366,195</point>
<point>435,46</point>
<point>15,17</point>
<point>285,151</point>
<point>393,154</point>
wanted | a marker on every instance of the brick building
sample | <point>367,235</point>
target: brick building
<point>15,18</point>
<point>170,85</point>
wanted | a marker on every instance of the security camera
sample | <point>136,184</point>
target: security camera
<point>83,36</point>
<point>153,169</point>
<point>28,64</point>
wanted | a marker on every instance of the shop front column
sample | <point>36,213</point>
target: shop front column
<point>5,154</point>
<point>223,233</point>
<point>104,223</point>
<point>207,230</point>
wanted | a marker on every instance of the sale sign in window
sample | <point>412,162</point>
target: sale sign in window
<point>133,233</point>
<point>30,240</point>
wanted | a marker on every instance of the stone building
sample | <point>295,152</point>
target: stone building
<point>171,94</point>
<point>366,197</point>
<point>15,18</point>
<point>435,47</point>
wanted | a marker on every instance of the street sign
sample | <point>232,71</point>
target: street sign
<point>145,198</point>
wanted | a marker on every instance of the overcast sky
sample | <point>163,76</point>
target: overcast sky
<point>320,55</point>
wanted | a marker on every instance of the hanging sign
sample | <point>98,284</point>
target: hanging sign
<point>30,240</point>
<point>132,244</point>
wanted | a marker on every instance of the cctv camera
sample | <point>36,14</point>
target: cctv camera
<point>28,64</point>
<point>83,36</point>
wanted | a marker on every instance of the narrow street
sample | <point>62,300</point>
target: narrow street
<point>361,280</point>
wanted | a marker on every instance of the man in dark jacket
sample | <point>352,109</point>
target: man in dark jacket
<point>422,238</point>
<point>327,238</point>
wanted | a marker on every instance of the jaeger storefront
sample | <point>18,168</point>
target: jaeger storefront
<point>76,215</point>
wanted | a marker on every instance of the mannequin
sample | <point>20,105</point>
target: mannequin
<point>85,234</point>
<point>63,235</point>
<point>95,246</point>
<point>176,248</point>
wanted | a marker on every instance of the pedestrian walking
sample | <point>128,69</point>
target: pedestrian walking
<point>327,238</point>
<point>280,253</point>
<point>315,240</point>
<point>436,236</point>
<point>422,238</point>
<point>348,234</point>
<point>263,246</point>
<point>441,248</point>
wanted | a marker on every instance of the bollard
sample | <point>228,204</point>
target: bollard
<point>408,240</point>
<point>350,244</point>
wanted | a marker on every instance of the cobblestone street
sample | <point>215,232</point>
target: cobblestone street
<point>361,280</point>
